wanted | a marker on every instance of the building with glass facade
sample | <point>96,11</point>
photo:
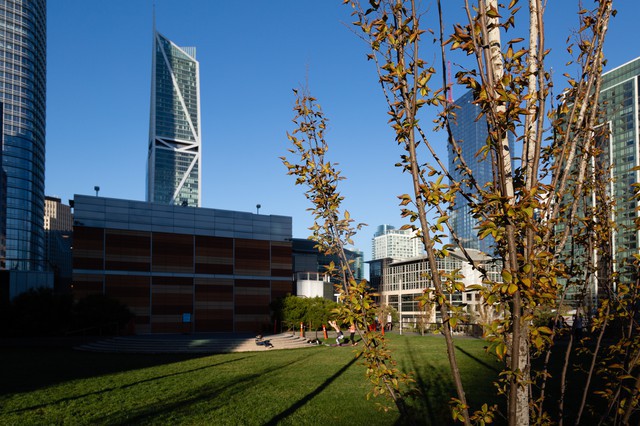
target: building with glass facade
<point>23,42</point>
<point>620,100</point>
<point>403,282</point>
<point>3,204</point>
<point>471,134</point>
<point>174,159</point>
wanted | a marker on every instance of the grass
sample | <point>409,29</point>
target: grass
<point>321,385</point>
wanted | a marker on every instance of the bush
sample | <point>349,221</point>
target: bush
<point>39,312</point>
<point>102,313</point>
<point>42,312</point>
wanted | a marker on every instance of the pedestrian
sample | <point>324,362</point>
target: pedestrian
<point>389,322</point>
<point>340,336</point>
<point>352,334</point>
<point>578,325</point>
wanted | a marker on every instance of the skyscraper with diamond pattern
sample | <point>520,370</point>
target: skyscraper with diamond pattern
<point>174,159</point>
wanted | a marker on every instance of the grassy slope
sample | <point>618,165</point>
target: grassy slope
<point>323,385</point>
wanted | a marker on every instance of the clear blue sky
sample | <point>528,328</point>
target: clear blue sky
<point>98,91</point>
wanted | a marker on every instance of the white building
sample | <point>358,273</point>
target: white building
<point>403,283</point>
<point>389,242</point>
<point>314,284</point>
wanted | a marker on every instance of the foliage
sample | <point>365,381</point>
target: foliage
<point>332,231</point>
<point>102,313</point>
<point>42,312</point>
<point>313,312</point>
<point>38,312</point>
<point>552,241</point>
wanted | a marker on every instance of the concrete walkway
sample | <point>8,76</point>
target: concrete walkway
<point>194,343</point>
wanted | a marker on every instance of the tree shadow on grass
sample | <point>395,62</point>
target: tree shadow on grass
<point>478,360</point>
<point>33,368</point>
<point>128,385</point>
<point>430,406</point>
<point>298,404</point>
<point>212,393</point>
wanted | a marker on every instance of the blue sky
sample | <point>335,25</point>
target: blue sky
<point>98,91</point>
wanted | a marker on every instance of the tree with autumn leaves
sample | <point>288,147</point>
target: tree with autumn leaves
<point>547,208</point>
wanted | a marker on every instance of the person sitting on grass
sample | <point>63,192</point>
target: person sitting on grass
<point>340,337</point>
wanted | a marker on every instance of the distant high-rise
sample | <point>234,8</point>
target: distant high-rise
<point>3,201</point>
<point>620,99</point>
<point>173,163</point>
<point>58,226</point>
<point>389,242</point>
<point>23,54</point>
<point>471,134</point>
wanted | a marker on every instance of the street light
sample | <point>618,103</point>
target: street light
<point>258,208</point>
<point>97,189</point>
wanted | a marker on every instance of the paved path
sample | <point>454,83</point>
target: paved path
<point>194,343</point>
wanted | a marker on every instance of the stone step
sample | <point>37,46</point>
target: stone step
<point>192,344</point>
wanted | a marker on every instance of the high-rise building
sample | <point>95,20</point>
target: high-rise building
<point>3,202</point>
<point>471,135</point>
<point>58,226</point>
<point>389,242</point>
<point>23,42</point>
<point>173,163</point>
<point>620,100</point>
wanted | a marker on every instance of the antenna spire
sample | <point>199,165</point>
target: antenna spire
<point>449,83</point>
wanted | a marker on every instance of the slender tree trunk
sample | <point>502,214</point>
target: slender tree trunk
<point>519,363</point>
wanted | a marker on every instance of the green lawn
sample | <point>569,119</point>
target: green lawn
<point>321,385</point>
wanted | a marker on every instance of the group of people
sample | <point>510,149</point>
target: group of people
<point>561,327</point>
<point>340,334</point>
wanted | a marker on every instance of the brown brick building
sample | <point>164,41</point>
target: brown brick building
<point>182,269</point>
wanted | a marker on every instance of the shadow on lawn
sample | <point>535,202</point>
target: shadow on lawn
<point>218,394</point>
<point>479,361</point>
<point>289,411</point>
<point>430,406</point>
<point>128,385</point>
<point>25,369</point>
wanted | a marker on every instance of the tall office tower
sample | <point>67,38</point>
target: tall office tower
<point>58,226</point>
<point>23,51</point>
<point>173,163</point>
<point>389,242</point>
<point>620,100</point>
<point>3,201</point>
<point>471,134</point>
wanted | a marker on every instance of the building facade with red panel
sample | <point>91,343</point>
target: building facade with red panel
<point>182,269</point>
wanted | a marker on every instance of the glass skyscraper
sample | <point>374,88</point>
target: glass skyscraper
<point>471,135</point>
<point>173,164</point>
<point>620,99</point>
<point>23,48</point>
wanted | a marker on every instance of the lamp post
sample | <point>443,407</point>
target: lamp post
<point>400,306</point>
<point>258,208</point>
<point>97,189</point>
